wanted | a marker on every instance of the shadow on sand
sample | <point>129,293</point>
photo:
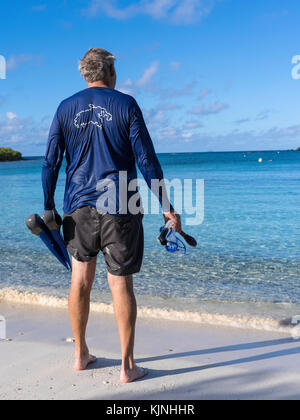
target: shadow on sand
<point>103,363</point>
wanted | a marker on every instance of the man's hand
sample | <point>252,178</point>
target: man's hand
<point>52,219</point>
<point>175,218</point>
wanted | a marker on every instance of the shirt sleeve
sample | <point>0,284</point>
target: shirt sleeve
<point>52,162</point>
<point>146,157</point>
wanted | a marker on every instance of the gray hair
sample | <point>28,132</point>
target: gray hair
<point>96,64</point>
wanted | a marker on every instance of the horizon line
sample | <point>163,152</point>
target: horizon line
<point>210,151</point>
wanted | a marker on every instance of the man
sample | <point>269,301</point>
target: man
<point>103,133</point>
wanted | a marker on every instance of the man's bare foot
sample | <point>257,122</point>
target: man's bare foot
<point>131,375</point>
<point>82,363</point>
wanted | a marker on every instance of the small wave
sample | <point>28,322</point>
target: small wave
<point>204,318</point>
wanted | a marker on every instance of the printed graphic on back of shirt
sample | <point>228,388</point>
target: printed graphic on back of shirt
<point>94,115</point>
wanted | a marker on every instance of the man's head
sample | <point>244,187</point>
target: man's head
<point>98,66</point>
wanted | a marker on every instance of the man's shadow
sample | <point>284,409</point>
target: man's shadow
<point>102,362</point>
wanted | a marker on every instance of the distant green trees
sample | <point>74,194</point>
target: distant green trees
<point>7,154</point>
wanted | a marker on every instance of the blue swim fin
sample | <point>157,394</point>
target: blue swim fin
<point>54,222</point>
<point>59,240</point>
<point>53,241</point>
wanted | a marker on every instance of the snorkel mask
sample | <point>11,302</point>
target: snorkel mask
<point>170,240</point>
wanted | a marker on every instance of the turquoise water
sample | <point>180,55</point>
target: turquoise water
<point>248,243</point>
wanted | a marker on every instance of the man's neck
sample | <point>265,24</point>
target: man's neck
<point>97,84</point>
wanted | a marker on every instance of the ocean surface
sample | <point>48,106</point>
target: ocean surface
<point>247,263</point>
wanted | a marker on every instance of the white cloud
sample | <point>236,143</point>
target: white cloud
<point>155,119</point>
<point>192,125</point>
<point>132,88</point>
<point>17,60</point>
<point>272,139</point>
<point>263,115</point>
<point>175,11</point>
<point>167,133</point>
<point>175,65</point>
<point>127,87</point>
<point>148,74</point>
<point>214,108</point>
<point>21,132</point>
<point>11,116</point>
<point>291,131</point>
<point>190,11</point>
<point>204,93</point>
<point>187,135</point>
<point>186,90</point>
<point>170,107</point>
<point>242,121</point>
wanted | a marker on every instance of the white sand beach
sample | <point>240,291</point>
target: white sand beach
<point>184,360</point>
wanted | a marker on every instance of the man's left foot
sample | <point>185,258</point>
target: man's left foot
<point>83,363</point>
<point>131,375</point>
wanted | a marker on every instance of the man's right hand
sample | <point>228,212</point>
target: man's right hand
<point>175,218</point>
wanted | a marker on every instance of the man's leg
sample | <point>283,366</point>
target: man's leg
<point>83,276</point>
<point>125,309</point>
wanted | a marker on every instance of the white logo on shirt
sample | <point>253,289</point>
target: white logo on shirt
<point>94,115</point>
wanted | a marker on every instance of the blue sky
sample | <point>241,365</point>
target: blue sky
<point>210,75</point>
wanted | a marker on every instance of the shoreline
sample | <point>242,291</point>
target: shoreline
<point>20,160</point>
<point>185,360</point>
<point>205,317</point>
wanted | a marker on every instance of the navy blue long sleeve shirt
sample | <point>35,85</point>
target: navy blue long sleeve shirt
<point>102,132</point>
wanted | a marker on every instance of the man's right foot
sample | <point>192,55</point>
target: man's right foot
<point>131,375</point>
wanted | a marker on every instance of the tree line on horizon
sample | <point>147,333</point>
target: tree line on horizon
<point>8,154</point>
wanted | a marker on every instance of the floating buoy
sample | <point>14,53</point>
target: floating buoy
<point>260,160</point>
